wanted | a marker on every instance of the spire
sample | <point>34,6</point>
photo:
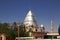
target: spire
<point>30,19</point>
<point>51,29</point>
<point>29,13</point>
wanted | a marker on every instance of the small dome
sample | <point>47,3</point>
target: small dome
<point>42,25</point>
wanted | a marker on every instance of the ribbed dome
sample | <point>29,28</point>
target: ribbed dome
<point>30,19</point>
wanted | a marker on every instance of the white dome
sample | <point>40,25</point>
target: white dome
<point>30,19</point>
<point>42,25</point>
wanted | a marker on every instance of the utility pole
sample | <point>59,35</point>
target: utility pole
<point>18,31</point>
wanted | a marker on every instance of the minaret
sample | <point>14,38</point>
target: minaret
<point>51,29</point>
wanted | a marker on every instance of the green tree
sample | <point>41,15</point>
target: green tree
<point>3,27</point>
<point>59,29</point>
<point>4,30</point>
<point>12,34</point>
<point>0,27</point>
<point>14,26</point>
<point>23,32</point>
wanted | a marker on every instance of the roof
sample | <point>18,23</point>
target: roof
<point>30,19</point>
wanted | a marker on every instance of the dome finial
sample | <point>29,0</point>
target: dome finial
<point>42,25</point>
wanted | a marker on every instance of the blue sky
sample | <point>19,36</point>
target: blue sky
<point>44,11</point>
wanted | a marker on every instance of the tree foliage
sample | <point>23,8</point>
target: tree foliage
<point>23,32</point>
<point>12,34</point>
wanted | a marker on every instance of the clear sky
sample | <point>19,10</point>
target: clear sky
<point>44,11</point>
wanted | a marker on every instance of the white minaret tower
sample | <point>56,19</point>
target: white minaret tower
<point>51,29</point>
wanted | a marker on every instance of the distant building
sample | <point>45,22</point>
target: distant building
<point>32,27</point>
<point>52,34</point>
